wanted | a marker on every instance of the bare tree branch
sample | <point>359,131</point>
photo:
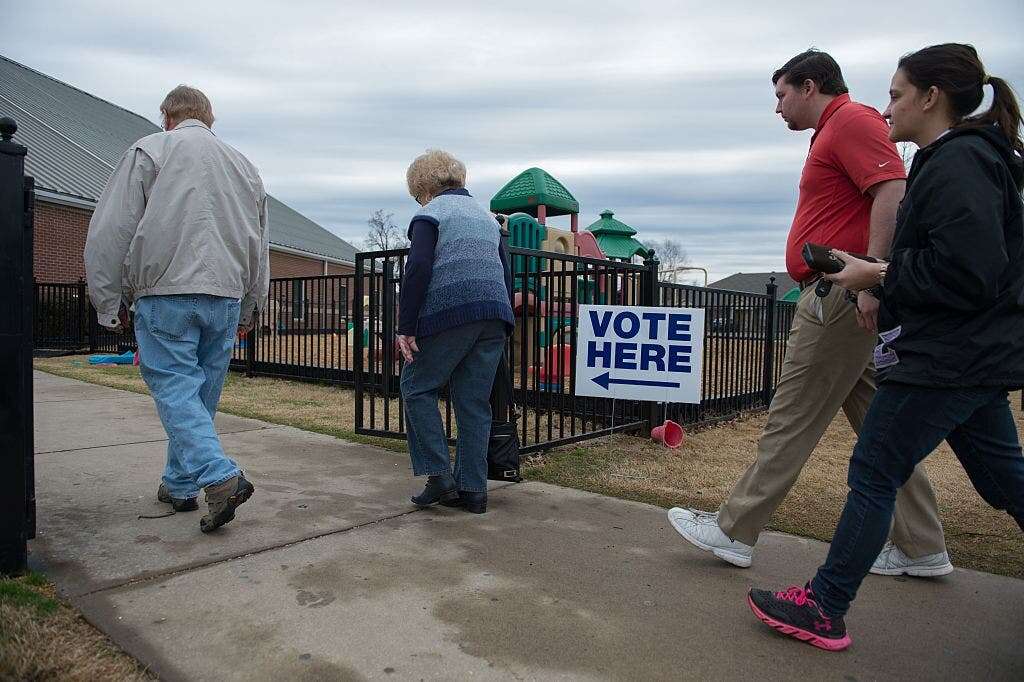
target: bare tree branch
<point>383,234</point>
<point>671,255</point>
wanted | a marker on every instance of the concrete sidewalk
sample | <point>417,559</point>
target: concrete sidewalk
<point>330,573</point>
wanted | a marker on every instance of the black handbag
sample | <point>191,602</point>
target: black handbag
<point>503,446</point>
<point>503,452</point>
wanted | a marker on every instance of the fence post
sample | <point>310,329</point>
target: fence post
<point>771,289</point>
<point>91,321</point>
<point>649,297</point>
<point>17,479</point>
<point>388,325</point>
<point>251,338</point>
<point>80,339</point>
<point>37,326</point>
<point>501,388</point>
<point>357,339</point>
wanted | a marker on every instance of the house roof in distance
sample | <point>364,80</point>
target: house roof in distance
<point>755,282</point>
<point>75,140</point>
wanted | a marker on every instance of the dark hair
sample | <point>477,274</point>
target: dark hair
<point>817,66</point>
<point>957,71</point>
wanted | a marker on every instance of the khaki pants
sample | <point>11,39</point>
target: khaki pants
<point>827,366</point>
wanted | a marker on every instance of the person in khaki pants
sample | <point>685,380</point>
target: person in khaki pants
<point>850,188</point>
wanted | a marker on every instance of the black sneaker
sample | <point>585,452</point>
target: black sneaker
<point>438,489</point>
<point>179,504</point>
<point>796,613</point>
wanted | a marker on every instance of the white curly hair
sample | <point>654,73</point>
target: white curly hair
<point>433,172</point>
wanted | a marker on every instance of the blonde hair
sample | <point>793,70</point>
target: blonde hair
<point>433,172</point>
<point>187,102</point>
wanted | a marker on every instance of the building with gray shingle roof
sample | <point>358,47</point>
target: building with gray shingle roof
<point>755,282</point>
<point>75,140</point>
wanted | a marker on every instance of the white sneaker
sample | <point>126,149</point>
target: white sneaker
<point>701,529</point>
<point>892,561</point>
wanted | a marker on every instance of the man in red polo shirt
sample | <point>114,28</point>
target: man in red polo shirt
<point>850,189</point>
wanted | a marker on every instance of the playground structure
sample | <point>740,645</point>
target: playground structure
<point>547,291</point>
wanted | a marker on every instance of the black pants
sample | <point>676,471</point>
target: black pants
<point>902,426</point>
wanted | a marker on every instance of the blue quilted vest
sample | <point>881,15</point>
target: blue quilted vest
<point>468,282</point>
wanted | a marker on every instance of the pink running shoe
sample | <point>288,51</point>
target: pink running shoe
<point>795,612</point>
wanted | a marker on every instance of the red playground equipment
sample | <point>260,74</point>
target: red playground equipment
<point>557,366</point>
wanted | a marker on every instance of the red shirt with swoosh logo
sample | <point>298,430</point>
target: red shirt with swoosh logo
<point>850,153</point>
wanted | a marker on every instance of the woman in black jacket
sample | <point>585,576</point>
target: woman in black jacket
<point>953,314</point>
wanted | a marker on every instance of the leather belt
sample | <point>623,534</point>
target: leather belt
<point>810,281</point>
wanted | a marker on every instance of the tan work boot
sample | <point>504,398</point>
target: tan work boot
<point>222,500</point>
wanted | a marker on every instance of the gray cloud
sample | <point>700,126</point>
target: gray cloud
<point>661,111</point>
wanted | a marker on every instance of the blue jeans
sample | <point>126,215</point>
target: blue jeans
<point>185,344</point>
<point>902,426</point>
<point>466,359</point>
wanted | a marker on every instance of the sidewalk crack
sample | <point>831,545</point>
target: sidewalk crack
<point>222,560</point>
<point>144,442</point>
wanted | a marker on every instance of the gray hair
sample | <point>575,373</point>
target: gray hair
<point>187,102</point>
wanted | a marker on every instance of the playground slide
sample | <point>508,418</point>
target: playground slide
<point>586,245</point>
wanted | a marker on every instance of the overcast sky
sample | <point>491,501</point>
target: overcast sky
<point>660,111</point>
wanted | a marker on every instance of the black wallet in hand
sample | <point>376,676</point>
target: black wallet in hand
<point>820,259</point>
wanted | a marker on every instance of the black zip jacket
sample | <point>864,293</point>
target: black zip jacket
<point>955,284</point>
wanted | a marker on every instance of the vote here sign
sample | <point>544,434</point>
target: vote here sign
<point>640,353</point>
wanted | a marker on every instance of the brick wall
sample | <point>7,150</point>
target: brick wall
<point>59,242</point>
<point>300,305</point>
<point>335,269</point>
<point>287,265</point>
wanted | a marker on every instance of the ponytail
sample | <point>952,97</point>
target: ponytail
<point>957,70</point>
<point>1005,112</point>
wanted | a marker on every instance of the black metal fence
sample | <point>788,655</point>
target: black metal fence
<point>745,337</point>
<point>64,320</point>
<point>305,331</point>
<point>61,320</point>
<point>744,340</point>
<point>341,329</point>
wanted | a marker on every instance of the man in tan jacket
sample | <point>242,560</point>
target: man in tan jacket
<point>180,232</point>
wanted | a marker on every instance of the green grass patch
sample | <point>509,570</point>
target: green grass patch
<point>35,579</point>
<point>15,593</point>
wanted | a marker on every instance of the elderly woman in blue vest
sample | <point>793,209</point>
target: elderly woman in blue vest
<point>454,315</point>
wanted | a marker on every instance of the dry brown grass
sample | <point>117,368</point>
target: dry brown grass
<point>42,638</point>
<point>699,474</point>
<point>332,350</point>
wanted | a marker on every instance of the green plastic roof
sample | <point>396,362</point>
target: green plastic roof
<point>616,237</point>
<point>609,225</point>
<point>530,189</point>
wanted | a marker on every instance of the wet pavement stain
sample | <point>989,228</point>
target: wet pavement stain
<point>313,600</point>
